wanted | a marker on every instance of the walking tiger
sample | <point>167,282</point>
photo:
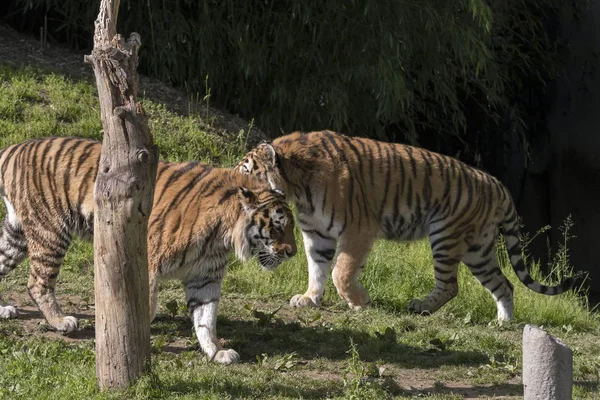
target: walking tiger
<point>347,191</point>
<point>200,216</point>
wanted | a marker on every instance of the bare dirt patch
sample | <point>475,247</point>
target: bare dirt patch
<point>33,323</point>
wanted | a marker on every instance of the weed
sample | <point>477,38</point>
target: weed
<point>278,363</point>
<point>388,336</point>
<point>358,377</point>
<point>208,92</point>
<point>311,319</point>
<point>173,307</point>
<point>264,317</point>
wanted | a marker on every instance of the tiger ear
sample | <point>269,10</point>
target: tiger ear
<point>270,152</point>
<point>247,199</point>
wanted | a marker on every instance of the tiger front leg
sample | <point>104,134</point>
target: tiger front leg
<point>349,264</point>
<point>42,281</point>
<point>320,251</point>
<point>13,250</point>
<point>7,311</point>
<point>153,289</point>
<point>203,302</point>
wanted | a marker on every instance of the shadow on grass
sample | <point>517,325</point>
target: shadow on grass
<point>475,392</point>
<point>227,388</point>
<point>590,386</point>
<point>251,339</point>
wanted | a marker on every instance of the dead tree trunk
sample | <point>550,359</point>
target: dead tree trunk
<point>123,198</point>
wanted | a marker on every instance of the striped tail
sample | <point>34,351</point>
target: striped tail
<point>511,236</point>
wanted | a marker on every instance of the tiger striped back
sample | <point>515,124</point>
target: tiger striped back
<point>348,191</point>
<point>200,216</point>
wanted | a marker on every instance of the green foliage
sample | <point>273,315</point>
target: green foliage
<point>53,367</point>
<point>365,67</point>
<point>34,104</point>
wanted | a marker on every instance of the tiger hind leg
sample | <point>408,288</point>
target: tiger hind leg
<point>481,260</point>
<point>13,250</point>
<point>46,258</point>
<point>446,257</point>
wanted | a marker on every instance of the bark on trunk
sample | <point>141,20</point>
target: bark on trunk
<point>123,201</point>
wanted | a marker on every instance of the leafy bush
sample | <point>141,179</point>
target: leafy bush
<point>395,70</point>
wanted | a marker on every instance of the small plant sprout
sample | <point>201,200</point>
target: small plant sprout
<point>173,307</point>
<point>311,319</point>
<point>207,94</point>
<point>264,317</point>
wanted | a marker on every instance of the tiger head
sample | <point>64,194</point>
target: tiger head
<point>263,163</point>
<point>267,228</point>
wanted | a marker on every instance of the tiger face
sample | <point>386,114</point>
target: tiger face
<point>269,228</point>
<point>262,162</point>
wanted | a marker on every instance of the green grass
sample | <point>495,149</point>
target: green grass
<point>383,352</point>
<point>34,104</point>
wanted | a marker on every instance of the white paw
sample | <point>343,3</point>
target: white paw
<point>503,318</point>
<point>68,325</point>
<point>417,307</point>
<point>226,356</point>
<point>505,312</point>
<point>301,300</point>
<point>8,312</point>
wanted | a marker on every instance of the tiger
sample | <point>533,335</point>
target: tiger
<point>201,215</point>
<point>348,191</point>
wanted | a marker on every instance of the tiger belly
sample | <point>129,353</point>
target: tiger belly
<point>323,221</point>
<point>398,227</point>
<point>193,264</point>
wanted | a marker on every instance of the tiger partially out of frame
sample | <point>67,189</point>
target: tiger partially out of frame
<point>200,216</point>
<point>348,191</point>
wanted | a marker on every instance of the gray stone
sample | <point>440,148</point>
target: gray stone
<point>547,366</point>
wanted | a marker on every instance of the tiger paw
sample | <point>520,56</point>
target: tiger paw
<point>416,306</point>
<point>301,300</point>
<point>67,325</point>
<point>8,312</point>
<point>359,307</point>
<point>226,356</point>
